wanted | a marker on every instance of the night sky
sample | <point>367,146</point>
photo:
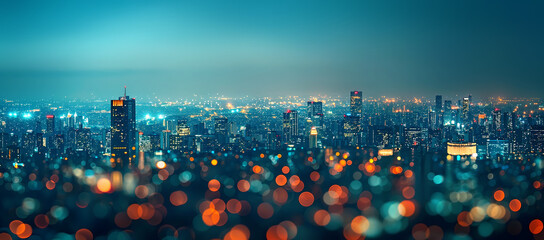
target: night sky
<point>271,48</point>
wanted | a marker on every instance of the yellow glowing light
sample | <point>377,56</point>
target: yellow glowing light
<point>161,164</point>
<point>462,149</point>
<point>103,185</point>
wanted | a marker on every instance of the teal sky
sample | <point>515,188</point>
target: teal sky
<point>271,48</point>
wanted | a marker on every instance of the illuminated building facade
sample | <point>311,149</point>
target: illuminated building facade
<point>498,148</point>
<point>123,132</point>
<point>351,130</point>
<point>315,108</point>
<point>536,137</point>
<point>221,129</point>
<point>466,110</point>
<point>313,138</point>
<point>290,126</point>
<point>356,103</point>
<point>50,124</point>
<point>461,149</point>
<point>182,128</point>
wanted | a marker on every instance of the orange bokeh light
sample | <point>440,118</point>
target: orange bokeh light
<point>214,185</point>
<point>306,199</point>
<point>536,226</point>
<point>499,195</point>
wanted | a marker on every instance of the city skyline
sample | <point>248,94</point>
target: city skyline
<point>276,120</point>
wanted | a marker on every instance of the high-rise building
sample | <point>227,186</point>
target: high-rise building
<point>536,139</point>
<point>290,126</point>
<point>351,130</point>
<point>315,108</point>
<point>182,128</point>
<point>315,113</point>
<point>356,103</point>
<point>221,129</point>
<point>313,138</point>
<point>123,131</point>
<point>84,140</point>
<point>466,109</point>
<point>498,148</point>
<point>438,103</point>
<point>50,124</point>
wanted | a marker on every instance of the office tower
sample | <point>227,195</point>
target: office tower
<point>70,120</point>
<point>50,124</point>
<point>356,103</point>
<point>182,128</point>
<point>28,143</point>
<point>497,122</point>
<point>165,139</point>
<point>123,131</point>
<point>175,142</point>
<point>221,129</point>
<point>149,143</point>
<point>536,138</point>
<point>84,140</point>
<point>315,113</point>
<point>315,108</point>
<point>290,126</point>
<point>412,137</point>
<point>313,138</point>
<point>466,109</point>
<point>200,129</point>
<point>144,143</point>
<point>438,103</point>
<point>497,148</point>
<point>351,130</point>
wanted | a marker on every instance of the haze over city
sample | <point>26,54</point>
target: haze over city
<point>271,48</point>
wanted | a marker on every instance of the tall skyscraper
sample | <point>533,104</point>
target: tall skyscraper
<point>123,131</point>
<point>315,108</point>
<point>351,130</point>
<point>466,109</point>
<point>290,126</point>
<point>438,103</point>
<point>313,138</point>
<point>221,129</point>
<point>356,103</point>
<point>315,113</point>
<point>536,138</point>
<point>50,124</point>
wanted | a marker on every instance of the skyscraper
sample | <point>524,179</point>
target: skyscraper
<point>123,131</point>
<point>290,126</point>
<point>438,103</point>
<point>313,138</point>
<point>315,108</point>
<point>466,109</point>
<point>356,103</point>
<point>221,129</point>
<point>50,124</point>
<point>351,130</point>
<point>315,113</point>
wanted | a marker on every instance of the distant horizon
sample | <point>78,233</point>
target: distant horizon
<point>176,49</point>
<point>304,97</point>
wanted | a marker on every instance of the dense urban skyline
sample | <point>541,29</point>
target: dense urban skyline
<point>57,49</point>
<point>276,120</point>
